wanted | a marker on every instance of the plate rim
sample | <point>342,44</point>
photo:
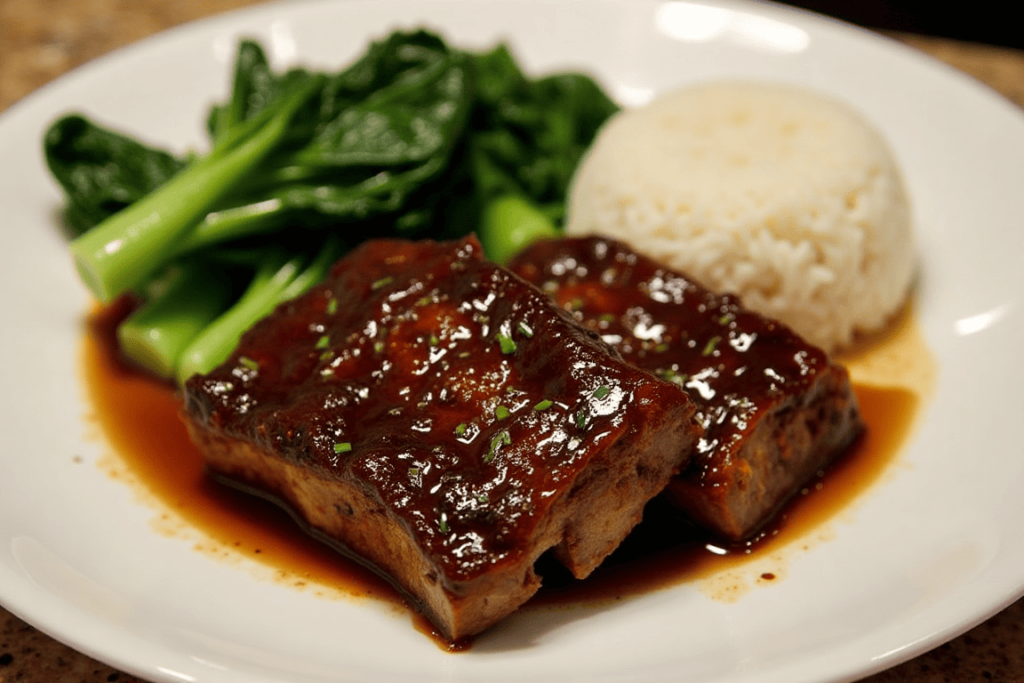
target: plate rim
<point>35,99</point>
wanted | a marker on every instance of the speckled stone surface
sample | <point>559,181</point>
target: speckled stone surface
<point>42,39</point>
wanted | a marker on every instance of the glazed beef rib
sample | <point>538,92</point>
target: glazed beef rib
<point>446,423</point>
<point>775,409</point>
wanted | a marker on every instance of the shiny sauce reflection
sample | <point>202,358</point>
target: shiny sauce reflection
<point>139,418</point>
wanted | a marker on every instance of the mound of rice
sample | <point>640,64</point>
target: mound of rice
<point>777,194</point>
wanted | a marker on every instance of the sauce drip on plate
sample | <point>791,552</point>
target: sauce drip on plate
<point>139,418</point>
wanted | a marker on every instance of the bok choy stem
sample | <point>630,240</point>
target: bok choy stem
<point>156,334</point>
<point>126,249</point>
<point>276,280</point>
<point>509,223</point>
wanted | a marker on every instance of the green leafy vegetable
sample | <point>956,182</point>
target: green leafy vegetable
<point>124,250</point>
<point>102,171</point>
<point>414,139</point>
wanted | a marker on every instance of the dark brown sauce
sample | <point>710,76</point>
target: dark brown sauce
<point>140,418</point>
<point>665,549</point>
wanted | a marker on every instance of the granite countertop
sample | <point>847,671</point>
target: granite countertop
<point>42,39</point>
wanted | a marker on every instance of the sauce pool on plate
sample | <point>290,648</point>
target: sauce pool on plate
<point>139,417</point>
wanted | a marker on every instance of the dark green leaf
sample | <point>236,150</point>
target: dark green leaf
<point>102,171</point>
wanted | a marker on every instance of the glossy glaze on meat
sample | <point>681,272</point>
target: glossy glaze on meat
<point>445,422</point>
<point>775,409</point>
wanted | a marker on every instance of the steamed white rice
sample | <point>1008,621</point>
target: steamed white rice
<point>777,194</point>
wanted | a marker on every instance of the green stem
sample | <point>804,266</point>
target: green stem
<point>511,222</point>
<point>273,284</point>
<point>316,271</point>
<point>157,333</point>
<point>123,251</point>
<point>225,225</point>
<point>215,343</point>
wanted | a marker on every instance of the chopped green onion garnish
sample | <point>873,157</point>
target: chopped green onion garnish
<point>543,405</point>
<point>501,412</point>
<point>248,363</point>
<point>602,391</point>
<point>581,419</point>
<point>460,430</point>
<point>383,282</point>
<point>342,447</point>
<point>323,342</point>
<point>709,348</point>
<point>508,345</point>
<point>525,330</point>
<point>502,437</point>
<point>332,306</point>
<point>673,376</point>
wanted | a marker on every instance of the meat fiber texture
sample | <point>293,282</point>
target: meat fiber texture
<point>776,410</point>
<point>445,423</point>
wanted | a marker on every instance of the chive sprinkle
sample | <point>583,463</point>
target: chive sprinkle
<point>332,306</point>
<point>502,437</point>
<point>508,345</point>
<point>383,282</point>
<point>709,348</point>
<point>672,375</point>
<point>501,412</point>
<point>602,391</point>
<point>323,342</point>
<point>342,447</point>
<point>248,363</point>
<point>543,405</point>
<point>460,430</point>
<point>581,419</point>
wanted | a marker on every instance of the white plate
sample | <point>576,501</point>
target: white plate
<point>931,551</point>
